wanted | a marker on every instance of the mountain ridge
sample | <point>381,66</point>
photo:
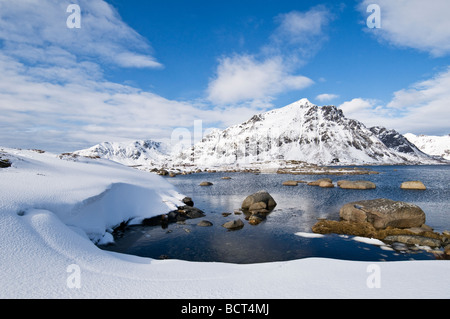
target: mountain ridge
<point>300,131</point>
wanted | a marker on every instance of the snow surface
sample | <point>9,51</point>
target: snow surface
<point>433,145</point>
<point>52,211</point>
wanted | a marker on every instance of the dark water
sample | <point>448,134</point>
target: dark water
<point>297,211</point>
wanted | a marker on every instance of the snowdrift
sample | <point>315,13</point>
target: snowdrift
<point>53,210</point>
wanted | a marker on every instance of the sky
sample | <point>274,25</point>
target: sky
<point>116,70</point>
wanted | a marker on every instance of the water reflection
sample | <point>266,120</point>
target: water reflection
<point>298,209</point>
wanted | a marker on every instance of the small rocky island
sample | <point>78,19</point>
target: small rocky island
<point>387,220</point>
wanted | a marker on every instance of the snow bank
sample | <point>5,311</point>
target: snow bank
<point>51,210</point>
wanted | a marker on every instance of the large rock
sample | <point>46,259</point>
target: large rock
<point>261,196</point>
<point>417,185</point>
<point>382,213</point>
<point>356,184</point>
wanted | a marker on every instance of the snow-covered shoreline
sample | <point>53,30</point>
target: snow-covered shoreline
<point>52,211</point>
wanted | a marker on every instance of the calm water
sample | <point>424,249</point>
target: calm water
<point>297,211</point>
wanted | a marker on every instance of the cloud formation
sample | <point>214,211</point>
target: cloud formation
<point>417,24</point>
<point>272,70</point>
<point>37,32</point>
<point>421,109</point>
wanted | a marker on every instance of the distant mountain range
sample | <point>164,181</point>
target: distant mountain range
<point>300,131</point>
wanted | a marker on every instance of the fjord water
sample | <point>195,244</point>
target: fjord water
<point>297,211</point>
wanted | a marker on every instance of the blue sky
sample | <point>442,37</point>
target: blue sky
<point>140,69</point>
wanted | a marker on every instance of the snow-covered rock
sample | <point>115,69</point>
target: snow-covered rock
<point>432,145</point>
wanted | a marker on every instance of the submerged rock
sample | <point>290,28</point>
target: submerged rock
<point>234,224</point>
<point>204,223</point>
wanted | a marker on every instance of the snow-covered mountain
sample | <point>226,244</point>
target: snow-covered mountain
<point>300,131</point>
<point>147,153</point>
<point>433,145</point>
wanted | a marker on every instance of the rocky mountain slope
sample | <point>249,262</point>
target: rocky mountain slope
<point>301,131</point>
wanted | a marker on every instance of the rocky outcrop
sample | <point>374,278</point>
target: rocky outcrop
<point>383,213</point>
<point>386,220</point>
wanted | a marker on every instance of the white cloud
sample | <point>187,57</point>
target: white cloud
<point>325,97</point>
<point>242,77</point>
<point>301,32</point>
<point>53,94</point>
<point>272,71</point>
<point>417,24</point>
<point>422,108</point>
<point>36,32</point>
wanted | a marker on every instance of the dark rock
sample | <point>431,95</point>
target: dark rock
<point>206,184</point>
<point>261,196</point>
<point>179,215</point>
<point>188,201</point>
<point>4,163</point>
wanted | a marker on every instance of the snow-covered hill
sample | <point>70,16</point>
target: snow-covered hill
<point>300,131</point>
<point>134,153</point>
<point>433,145</point>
